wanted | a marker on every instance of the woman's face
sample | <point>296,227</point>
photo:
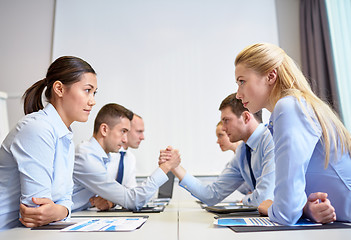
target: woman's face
<point>223,139</point>
<point>253,89</point>
<point>78,99</point>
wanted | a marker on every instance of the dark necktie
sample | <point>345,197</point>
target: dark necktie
<point>248,157</point>
<point>120,168</point>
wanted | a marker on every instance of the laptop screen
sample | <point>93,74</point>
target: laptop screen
<point>166,190</point>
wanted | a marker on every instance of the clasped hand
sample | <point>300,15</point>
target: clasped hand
<point>169,159</point>
<point>46,213</point>
<point>101,203</point>
<point>317,208</point>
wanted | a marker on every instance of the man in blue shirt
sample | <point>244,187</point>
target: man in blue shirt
<point>91,174</point>
<point>258,174</point>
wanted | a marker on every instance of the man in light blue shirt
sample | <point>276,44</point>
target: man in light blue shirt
<point>91,175</point>
<point>239,124</point>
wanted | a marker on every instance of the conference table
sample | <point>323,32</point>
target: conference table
<point>182,219</point>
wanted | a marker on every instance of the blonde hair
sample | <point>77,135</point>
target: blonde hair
<point>219,123</point>
<point>264,58</point>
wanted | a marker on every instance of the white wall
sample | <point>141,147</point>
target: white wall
<point>289,27</point>
<point>4,124</point>
<point>26,30</point>
<point>25,48</point>
<point>169,61</point>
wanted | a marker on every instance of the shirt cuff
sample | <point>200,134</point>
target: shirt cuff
<point>159,176</point>
<point>247,199</point>
<point>186,181</point>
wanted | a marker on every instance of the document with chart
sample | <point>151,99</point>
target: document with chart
<point>257,221</point>
<point>115,224</point>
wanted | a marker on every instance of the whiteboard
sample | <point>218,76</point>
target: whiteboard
<point>169,61</point>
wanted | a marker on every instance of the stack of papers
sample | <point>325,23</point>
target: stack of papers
<point>257,221</point>
<point>107,224</point>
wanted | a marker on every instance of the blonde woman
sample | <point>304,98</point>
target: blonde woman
<point>312,146</point>
<point>224,141</point>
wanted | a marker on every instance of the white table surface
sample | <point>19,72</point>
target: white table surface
<point>182,219</point>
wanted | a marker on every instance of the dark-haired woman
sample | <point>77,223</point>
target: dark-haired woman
<point>37,156</point>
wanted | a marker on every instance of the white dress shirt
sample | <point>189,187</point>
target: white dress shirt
<point>129,176</point>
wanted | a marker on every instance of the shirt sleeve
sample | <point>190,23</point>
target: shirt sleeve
<point>227,182</point>
<point>66,201</point>
<point>34,150</point>
<point>90,172</point>
<point>295,137</point>
<point>265,182</point>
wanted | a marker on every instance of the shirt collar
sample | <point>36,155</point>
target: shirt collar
<point>99,151</point>
<point>56,120</point>
<point>255,137</point>
<point>122,150</point>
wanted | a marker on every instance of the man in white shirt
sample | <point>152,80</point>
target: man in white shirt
<point>134,138</point>
<point>92,176</point>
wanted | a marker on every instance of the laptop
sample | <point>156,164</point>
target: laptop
<point>166,190</point>
<point>156,205</point>
<point>231,208</point>
<point>165,193</point>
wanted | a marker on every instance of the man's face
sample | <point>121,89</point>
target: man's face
<point>136,133</point>
<point>117,135</point>
<point>234,126</point>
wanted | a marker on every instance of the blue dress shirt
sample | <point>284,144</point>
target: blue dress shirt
<point>91,177</point>
<point>36,160</point>
<point>300,157</point>
<point>237,172</point>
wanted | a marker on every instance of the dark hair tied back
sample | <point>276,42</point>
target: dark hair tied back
<point>45,81</point>
<point>66,69</point>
